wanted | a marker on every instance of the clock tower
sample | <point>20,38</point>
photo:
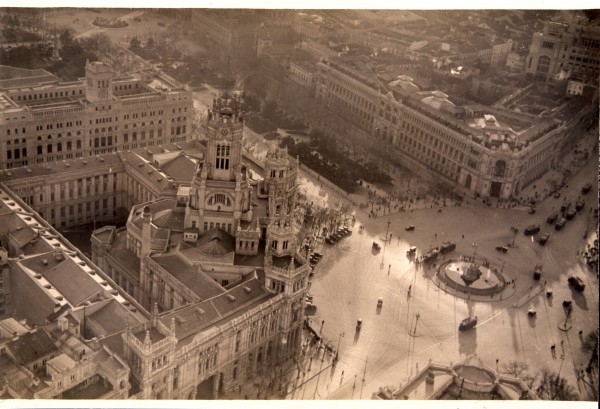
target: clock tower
<point>224,138</point>
<point>220,195</point>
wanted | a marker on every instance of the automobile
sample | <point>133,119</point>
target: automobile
<point>380,302</point>
<point>447,247</point>
<point>329,240</point>
<point>376,246</point>
<point>549,292</point>
<point>467,323</point>
<point>411,250</point>
<point>431,255</point>
<point>565,206</point>
<point>358,324</point>
<point>309,297</point>
<point>543,238</point>
<point>502,249</point>
<point>345,231</point>
<point>567,304</point>
<point>531,210</point>
<point>537,272</point>
<point>552,218</point>
<point>570,213</point>
<point>577,283</point>
<point>580,204</point>
<point>586,188</point>
<point>410,228</point>
<point>532,312</point>
<point>556,195</point>
<point>560,223</point>
<point>318,255</point>
<point>531,230</point>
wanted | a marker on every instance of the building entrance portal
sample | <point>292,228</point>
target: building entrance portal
<point>495,189</point>
<point>206,389</point>
<point>468,182</point>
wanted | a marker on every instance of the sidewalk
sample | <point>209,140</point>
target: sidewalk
<point>316,364</point>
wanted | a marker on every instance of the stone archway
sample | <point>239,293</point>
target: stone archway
<point>205,389</point>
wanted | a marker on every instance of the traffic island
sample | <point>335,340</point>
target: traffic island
<point>473,279</point>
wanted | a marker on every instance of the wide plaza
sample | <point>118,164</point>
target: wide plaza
<point>419,319</point>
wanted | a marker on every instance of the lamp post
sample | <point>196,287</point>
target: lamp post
<point>337,351</point>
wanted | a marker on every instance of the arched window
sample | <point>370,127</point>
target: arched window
<point>543,64</point>
<point>500,168</point>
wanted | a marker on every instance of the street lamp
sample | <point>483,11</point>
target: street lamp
<point>337,351</point>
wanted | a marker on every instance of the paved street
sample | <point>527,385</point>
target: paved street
<point>351,277</point>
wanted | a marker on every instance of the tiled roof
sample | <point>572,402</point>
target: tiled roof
<point>111,318</point>
<point>191,276</point>
<point>31,346</point>
<point>71,282</point>
<point>216,242</point>
<point>180,169</point>
<point>193,318</point>
<point>10,176</point>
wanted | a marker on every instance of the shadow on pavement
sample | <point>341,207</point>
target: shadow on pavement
<point>467,342</point>
<point>579,300</point>
<point>356,335</point>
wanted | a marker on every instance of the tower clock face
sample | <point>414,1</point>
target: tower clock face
<point>224,131</point>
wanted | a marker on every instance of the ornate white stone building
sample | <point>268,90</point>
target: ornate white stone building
<point>219,268</point>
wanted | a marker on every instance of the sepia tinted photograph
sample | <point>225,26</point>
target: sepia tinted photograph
<point>299,204</point>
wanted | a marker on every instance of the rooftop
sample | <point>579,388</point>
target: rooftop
<point>193,318</point>
<point>189,275</point>
<point>31,346</point>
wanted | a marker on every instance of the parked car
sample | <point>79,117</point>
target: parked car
<point>532,313</point>
<point>549,292</point>
<point>580,204</point>
<point>552,218</point>
<point>543,238</point>
<point>565,206</point>
<point>380,302</point>
<point>411,250</point>
<point>467,323</point>
<point>570,213</point>
<point>567,304</point>
<point>358,324</point>
<point>447,247</point>
<point>431,255</point>
<point>502,249</point>
<point>577,283</point>
<point>586,188</point>
<point>560,223</point>
<point>376,246</point>
<point>410,228</point>
<point>531,210</point>
<point>531,230</point>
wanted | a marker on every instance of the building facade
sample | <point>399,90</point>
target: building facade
<point>490,151</point>
<point>45,121</point>
<point>219,268</point>
<point>571,48</point>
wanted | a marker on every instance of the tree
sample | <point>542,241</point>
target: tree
<point>551,386</point>
<point>134,43</point>
<point>519,370</point>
